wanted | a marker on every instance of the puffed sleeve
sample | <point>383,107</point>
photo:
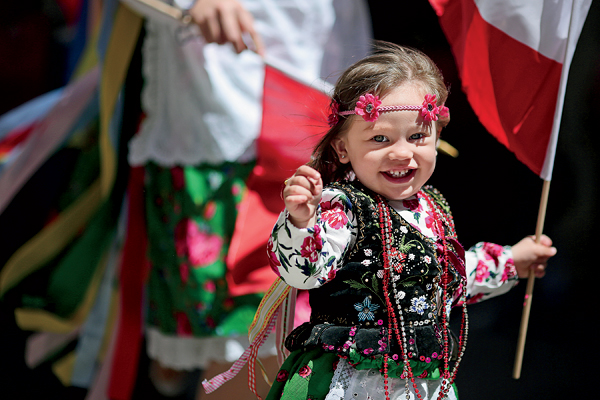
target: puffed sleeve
<point>490,271</point>
<point>309,257</point>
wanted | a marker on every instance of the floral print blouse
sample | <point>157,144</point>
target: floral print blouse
<point>309,257</point>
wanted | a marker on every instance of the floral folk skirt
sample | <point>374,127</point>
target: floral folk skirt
<point>319,375</point>
<point>191,213</point>
<point>304,375</point>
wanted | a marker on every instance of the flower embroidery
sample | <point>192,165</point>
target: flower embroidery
<point>202,248</point>
<point>367,107</point>
<point>366,309</point>
<point>396,259</point>
<point>412,204</point>
<point>282,376</point>
<point>210,210</point>
<point>312,245</point>
<point>331,274</point>
<point>492,252</point>
<point>304,371</point>
<point>184,327</point>
<point>510,270</point>
<point>273,260</point>
<point>334,214</point>
<point>483,272</point>
<point>430,223</point>
<point>209,286</point>
<point>184,272</point>
<point>177,178</point>
<point>418,305</point>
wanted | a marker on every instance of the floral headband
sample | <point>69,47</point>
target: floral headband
<point>369,107</point>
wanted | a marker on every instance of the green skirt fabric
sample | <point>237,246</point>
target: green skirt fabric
<point>191,213</point>
<point>304,375</point>
<point>308,374</point>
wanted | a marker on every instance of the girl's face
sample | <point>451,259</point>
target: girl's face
<point>395,155</point>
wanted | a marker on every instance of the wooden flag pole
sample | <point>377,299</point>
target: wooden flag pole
<point>168,10</point>
<point>530,281</point>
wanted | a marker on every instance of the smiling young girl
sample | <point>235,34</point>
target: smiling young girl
<point>377,249</point>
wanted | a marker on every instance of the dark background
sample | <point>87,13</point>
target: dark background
<point>493,197</point>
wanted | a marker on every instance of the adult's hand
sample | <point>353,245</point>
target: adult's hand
<point>226,21</point>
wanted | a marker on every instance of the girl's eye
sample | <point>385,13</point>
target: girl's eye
<point>417,136</point>
<point>380,138</point>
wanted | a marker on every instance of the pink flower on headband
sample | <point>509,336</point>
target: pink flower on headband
<point>367,106</point>
<point>430,110</point>
<point>333,118</point>
<point>444,112</point>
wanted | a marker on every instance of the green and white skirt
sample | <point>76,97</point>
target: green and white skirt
<point>317,375</point>
<point>191,213</point>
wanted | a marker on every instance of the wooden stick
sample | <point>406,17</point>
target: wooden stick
<point>530,281</point>
<point>167,9</point>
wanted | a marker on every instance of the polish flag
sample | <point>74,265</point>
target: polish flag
<point>294,120</point>
<point>513,57</point>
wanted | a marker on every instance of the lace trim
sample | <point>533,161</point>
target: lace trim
<point>341,381</point>
<point>188,353</point>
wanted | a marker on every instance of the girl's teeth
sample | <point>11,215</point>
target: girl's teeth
<point>399,174</point>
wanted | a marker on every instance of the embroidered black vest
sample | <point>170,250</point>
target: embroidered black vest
<point>350,310</point>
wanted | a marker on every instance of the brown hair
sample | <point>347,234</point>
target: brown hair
<point>389,66</point>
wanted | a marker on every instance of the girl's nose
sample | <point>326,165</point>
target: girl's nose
<point>400,151</point>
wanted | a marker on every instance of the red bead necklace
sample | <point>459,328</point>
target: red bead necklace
<point>385,223</point>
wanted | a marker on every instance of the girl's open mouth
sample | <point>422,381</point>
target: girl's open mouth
<point>399,176</point>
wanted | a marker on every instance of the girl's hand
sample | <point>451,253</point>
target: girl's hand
<point>301,195</point>
<point>531,256</point>
<point>226,21</point>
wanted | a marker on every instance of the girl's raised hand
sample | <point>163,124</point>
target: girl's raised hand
<point>531,256</point>
<point>301,195</point>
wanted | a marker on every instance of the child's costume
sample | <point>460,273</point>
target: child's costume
<point>384,276</point>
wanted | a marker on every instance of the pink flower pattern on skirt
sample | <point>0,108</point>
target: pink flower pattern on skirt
<point>202,248</point>
<point>305,371</point>
<point>184,328</point>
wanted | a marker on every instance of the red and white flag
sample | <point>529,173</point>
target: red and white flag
<point>293,121</point>
<point>513,58</point>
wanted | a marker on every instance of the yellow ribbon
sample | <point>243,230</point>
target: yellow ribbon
<point>124,36</point>
<point>53,238</point>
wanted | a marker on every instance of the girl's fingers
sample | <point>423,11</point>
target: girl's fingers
<point>298,181</point>
<point>539,270</point>
<point>296,199</point>
<point>308,172</point>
